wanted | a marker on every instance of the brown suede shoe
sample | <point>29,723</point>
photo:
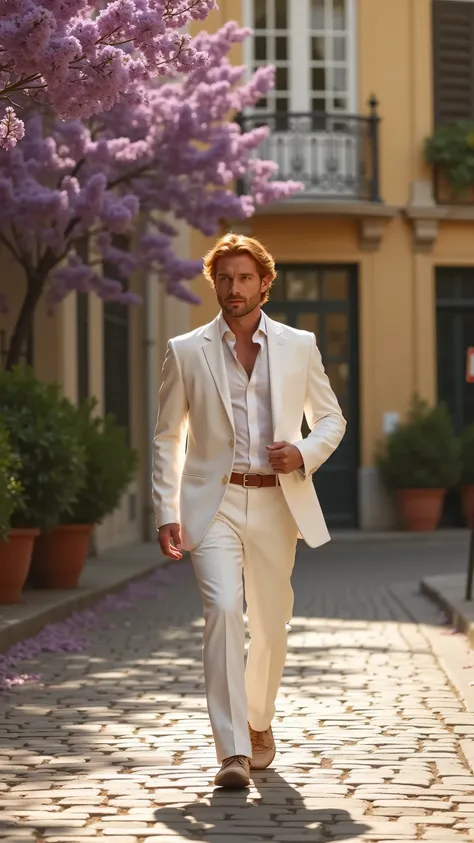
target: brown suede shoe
<point>234,772</point>
<point>263,748</point>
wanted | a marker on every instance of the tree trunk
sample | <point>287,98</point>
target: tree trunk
<point>24,322</point>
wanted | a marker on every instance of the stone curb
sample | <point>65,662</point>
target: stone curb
<point>447,592</point>
<point>450,536</point>
<point>49,606</point>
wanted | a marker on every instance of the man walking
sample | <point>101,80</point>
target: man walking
<point>232,483</point>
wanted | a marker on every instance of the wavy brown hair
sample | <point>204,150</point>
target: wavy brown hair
<point>240,244</point>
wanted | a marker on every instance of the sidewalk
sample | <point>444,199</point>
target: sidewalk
<point>449,592</point>
<point>102,575</point>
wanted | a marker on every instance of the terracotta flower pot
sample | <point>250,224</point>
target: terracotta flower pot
<point>15,559</point>
<point>467,504</point>
<point>420,509</point>
<point>60,555</point>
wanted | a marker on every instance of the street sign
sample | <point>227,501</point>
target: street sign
<point>470,365</point>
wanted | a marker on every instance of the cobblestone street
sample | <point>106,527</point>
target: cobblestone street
<point>373,737</point>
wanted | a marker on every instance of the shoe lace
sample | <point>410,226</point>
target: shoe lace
<point>239,759</point>
<point>259,739</point>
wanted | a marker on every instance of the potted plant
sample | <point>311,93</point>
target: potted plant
<point>109,468</point>
<point>16,545</point>
<point>467,475</point>
<point>420,461</point>
<point>450,150</point>
<point>42,430</point>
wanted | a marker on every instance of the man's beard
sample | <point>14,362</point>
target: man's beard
<point>247,307</point>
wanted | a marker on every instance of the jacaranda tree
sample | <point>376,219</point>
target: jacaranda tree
<point>82,56</point>
<point>175,150</point>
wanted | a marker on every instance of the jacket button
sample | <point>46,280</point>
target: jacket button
<point>231,443</point>
<point>225,479</point>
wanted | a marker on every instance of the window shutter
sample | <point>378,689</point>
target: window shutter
<point>453,53</point>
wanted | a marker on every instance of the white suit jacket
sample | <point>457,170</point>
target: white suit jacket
<point>193,446</point>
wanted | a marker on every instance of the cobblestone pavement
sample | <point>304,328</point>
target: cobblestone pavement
<point>114,742</point>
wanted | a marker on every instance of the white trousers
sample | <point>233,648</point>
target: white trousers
<point>253,534</point>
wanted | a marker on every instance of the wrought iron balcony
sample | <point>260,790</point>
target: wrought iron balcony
<point>335,156</point>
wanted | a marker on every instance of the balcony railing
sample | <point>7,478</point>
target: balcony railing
<point>335,156</point>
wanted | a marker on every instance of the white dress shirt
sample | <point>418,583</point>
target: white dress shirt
<point>251,402</point>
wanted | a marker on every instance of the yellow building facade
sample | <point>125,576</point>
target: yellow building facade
<point>367,257</point>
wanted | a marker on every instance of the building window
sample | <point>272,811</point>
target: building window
<point>271,44</point>
<point>312,45</point>
<point>453,60</point>
<point>82,316</point>
<point>116,355</point>
<point>82,328</point>
<point>116,363</point>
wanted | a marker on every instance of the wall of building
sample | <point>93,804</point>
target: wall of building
<point>397,304</point>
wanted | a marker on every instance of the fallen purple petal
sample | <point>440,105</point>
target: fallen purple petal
<point>70,635</point>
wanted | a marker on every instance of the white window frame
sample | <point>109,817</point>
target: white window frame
<point>300,93</point>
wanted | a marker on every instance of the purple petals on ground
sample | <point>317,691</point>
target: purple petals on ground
<point>72,634</point>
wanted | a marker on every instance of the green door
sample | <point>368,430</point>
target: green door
<point>454,333</point>
<point>323,299</point>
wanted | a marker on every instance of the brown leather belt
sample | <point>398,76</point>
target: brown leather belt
<point>254,481</point>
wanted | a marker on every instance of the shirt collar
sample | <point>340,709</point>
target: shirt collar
<point>225,330</point>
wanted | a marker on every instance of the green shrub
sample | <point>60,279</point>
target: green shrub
<point>451,148</point>
<point>110,466</point>
<point>42,430</point>
<point>422,452</point>
<point>11,498</point>
<point>467,456</point>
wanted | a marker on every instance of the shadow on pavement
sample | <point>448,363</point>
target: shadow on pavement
<point>277,811</point>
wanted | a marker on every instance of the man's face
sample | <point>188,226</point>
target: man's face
<point>238,285</point>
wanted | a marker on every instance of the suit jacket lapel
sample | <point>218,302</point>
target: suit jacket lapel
<point>276,365</point>
<point>214,354</point>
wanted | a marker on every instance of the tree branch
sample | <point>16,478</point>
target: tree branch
<point>10,247</point>
<point>127,176</point>
<point>73,173</point>
<point>19,85</point>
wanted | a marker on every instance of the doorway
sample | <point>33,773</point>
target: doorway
<point>454,333</point>
<point>322,299</point>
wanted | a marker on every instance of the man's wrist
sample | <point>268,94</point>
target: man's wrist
<point>301,463</point>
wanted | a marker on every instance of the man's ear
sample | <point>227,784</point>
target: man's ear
<point>266,283</point>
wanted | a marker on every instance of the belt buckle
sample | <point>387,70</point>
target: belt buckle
<point>247,485</point>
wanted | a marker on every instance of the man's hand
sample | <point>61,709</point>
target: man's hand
<point>284,457</point>
<point>169,538</point>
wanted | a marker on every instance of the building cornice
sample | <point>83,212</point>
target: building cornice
<point>425,215</point>
<point>372,217</point>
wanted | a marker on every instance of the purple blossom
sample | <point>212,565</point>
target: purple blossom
<point>12,129</point>
<point>81,57</point>
<point>172,156</point>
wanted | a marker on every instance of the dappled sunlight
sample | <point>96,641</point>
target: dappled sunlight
<point>115,735</point>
